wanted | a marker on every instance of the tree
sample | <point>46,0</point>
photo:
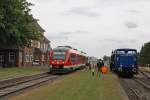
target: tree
<point>106,58</point>
<point>16,23</point>
<point>144,57</point>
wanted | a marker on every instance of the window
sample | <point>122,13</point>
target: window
<point>58,55</point>
<point>120,52</point>
<point>11,57</point>
<point>131,52</point>
<point>30,58</point>
<point>43,46</point>
<point>46,46</point>
<point>38,44</point>
<point>27,59</point>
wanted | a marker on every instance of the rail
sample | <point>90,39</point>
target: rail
<point>19,86</point>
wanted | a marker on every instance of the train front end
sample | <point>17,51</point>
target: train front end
<point>126,62</point>
<point>58,60</point>
<point>66,59</point>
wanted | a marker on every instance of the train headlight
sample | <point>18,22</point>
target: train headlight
<point>133,66</point>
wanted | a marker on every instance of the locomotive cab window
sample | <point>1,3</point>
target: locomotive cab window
<point>120,52</point>
<point>132,52</point>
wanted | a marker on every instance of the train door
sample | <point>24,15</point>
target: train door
<point>73,59</point>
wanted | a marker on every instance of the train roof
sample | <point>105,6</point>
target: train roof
<point>61,48</point>
<point>124,49</point>
<point>65,48</point>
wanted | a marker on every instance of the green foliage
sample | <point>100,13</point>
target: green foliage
<point>16,23</point>
<point>144,57</point>
<point>106,58</point>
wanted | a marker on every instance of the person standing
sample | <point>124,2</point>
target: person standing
<point>93,71</point>
<point>100,64</point>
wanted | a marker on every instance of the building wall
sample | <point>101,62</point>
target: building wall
<point>9,57</point>
<point>27,56</point>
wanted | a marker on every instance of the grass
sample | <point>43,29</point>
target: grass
<point>6,73</point>
<point>78,86</point>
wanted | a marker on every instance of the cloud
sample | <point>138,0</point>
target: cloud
<point>65,34</point>
<point>84,11</point>
<point>133,11</point>
<point>119,41</point>
<point>111,43</point>
<point>58,37</point>
<point>131,25</point>
<point>73,32</point>
<point>118,23</point>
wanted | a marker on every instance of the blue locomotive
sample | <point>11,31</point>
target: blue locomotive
<point>124,62</point>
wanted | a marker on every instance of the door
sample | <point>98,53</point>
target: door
<point>1,59</point>
<point>12,58</point>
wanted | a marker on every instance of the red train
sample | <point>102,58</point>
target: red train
<point>64,59</point>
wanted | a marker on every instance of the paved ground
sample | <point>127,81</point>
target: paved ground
<point>78,86</point>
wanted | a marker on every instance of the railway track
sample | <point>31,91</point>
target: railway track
<point>143,79</point>
<point>9,82</point>
<point>132,89</point>
<point>15,81</point>
<point>136,94</point>
<point>145,73</point>
<point>137,88</point>
<point>18,85</point>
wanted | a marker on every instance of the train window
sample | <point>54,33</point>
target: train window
<point>59,55</point>
<point>126,52</point>
<point>131,52</point>
<point>120,52</point>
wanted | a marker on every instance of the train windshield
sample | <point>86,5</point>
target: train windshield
<point>59,55</point>
<point>126,52</point>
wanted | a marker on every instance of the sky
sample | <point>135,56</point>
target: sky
<point>94,26</point>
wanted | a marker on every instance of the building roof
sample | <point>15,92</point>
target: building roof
<point>38,27</point>
<point>46,40</point>
<point>36,24</point>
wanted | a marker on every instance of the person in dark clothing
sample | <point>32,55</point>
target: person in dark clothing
<point>111,66</point>
<point>100,64</point>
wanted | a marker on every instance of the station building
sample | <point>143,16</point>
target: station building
<point>35,55</point>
